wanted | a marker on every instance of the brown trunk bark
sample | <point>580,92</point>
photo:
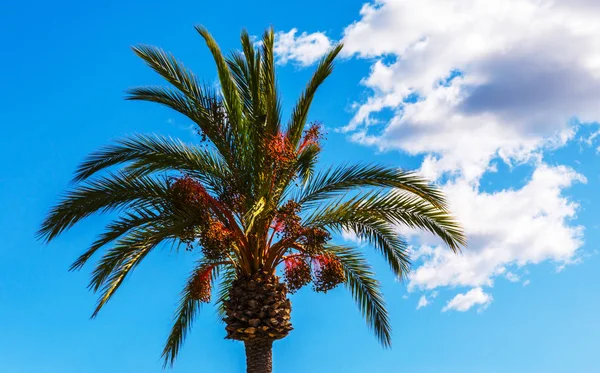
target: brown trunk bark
<point>259,355</point>
<point>258,308</point>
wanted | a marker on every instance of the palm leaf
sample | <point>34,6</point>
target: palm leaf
<point>228,88</point>
<point>365,289</point>
<point>172,70</point>
<point>269,85</point>
<point>105,194</point>
<point>135,219</point>
<point>118,262</point>
<point>300,111</point>
<point>339,180</point>
<point>187,311</point>
<point>149,154</point>
<point>371,228</point>
<point>227,275</point>
<point>198,103</point>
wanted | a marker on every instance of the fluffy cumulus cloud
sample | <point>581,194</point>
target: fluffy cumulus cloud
<point>464,302</point>
<point>511,74</point>
<point>506,230</point>
<point>304,49</point>
<point>464,84</point>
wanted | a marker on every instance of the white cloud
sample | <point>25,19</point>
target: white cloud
<point>592,139</point>
<point>522,69</point>
<point>512,277</point>
<point>423,302</point>
<point>304,49</point>
<point>526,282</point>
<point>589,140</point>
<point>351,237</point>
<point>426,300</point>
<point>507,228</point>
<point>464,302</point>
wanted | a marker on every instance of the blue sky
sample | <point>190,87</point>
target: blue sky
<point>511,139</point>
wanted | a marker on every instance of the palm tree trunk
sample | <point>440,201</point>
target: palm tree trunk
<point>259,355</point>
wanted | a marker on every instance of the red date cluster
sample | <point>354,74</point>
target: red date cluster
<point>200,288</point>
<point>215,238</point>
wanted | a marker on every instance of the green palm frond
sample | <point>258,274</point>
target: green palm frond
<point>415,213</point>
<point>383,237</point>
<point>269,84</point>
<point>394,207</point>
<point>250,130</point>
<point>342,179</point>
<point>227,275</point>
<point>118,262</point>
<point>253,61</point>
<point>105,194</point>
<point>129,251</point>
<point>306,163</point>
<point>186,312</point>
<point>365,289</point>
<point>372,216</point>
<point>199,103</point>
<point>131,220</point>
<point>240,72</point>
<point>206,113</point>
<point>149,154</point>
<point>170,98</point>
<point>300,111</point>
<point>171,70</point>
<point>372,229</point>
<point>228,88</point>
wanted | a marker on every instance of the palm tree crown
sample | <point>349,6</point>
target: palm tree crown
<point>247,199</point>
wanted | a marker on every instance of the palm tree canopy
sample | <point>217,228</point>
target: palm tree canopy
<point>247,196</point>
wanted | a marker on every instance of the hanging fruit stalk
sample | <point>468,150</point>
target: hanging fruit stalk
<point>312,137</point>
<point>200,288</point>
<point>214,237</point>
<point>329,273</point>
<point>297,273</point>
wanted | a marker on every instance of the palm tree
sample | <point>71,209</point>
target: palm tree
<point>246,200</point>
